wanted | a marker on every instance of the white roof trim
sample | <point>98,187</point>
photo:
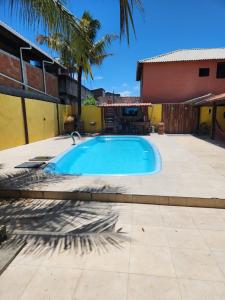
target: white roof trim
<point>188,55</point>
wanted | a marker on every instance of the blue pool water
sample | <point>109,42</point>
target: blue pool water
<point>108,155</point>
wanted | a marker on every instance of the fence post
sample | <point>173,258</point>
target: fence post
<point>24,112</point>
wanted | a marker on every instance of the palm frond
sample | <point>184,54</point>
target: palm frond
<point>126,16</point>
<point>51,14</point>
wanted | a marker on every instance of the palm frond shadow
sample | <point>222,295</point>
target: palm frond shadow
<point>50,226</point>
<point>103,188</point>
<point>29,179</point>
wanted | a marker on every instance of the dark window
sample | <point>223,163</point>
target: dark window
<point>221,70</point>
<point>130,111</point>
<point>203,72</point>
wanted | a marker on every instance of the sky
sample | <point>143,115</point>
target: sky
<point>165,25</point>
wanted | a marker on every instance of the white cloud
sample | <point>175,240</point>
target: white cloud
<point>125,93</point>
<point>98,78</point>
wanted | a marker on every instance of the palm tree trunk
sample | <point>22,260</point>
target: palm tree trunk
<point>79,82</point>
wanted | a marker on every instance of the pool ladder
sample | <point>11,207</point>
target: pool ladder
<point>73,136</point>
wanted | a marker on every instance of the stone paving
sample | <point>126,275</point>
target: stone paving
<point>89,250</point>
<point>192,167</point>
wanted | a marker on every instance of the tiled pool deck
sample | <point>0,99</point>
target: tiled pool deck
<point>191,168</point>
<point>87,250</point>
<point>111,251</point>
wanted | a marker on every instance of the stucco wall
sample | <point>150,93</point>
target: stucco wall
<point>11,122</point>
<point>220,116</point>
<point>91,113</point>
<point>206,115</point>
<point>41,119</point>
<point>155,114</point>
<point>179,81</point>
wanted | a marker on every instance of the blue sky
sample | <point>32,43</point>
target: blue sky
<point>164,26</point>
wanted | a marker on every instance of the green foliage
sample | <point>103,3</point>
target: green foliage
<point>56,18</point>
<point>89,100</point>
<point>50,14</point>
<point>80,50</point>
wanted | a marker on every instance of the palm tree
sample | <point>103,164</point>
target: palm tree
<point>92,53</point>
<point>56,18</point>
<point>77,54</point>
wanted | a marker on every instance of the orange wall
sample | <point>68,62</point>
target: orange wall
<point>178,81</point>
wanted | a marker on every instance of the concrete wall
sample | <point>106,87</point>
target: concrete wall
<point>91,113</point>
<point>155,114</point>
<point>220,116</point>
<point>11,122</point>
<point>179,81</point>
<point>42,120</point>
<point>206,116</point>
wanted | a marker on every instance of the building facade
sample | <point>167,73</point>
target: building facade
<point>182,75</point>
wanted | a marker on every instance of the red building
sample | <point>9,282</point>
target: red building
<point>182,75</point>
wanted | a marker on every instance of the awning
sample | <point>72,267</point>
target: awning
<point>124,104</point>
<point>208,99</point>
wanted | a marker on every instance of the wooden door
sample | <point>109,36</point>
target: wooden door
<point>180,118</point>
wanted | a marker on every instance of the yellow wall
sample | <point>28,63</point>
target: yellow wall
<point>41,120</point>
<point>205,115</point>
<point>11,122</point>
<point>64,111</point>
<point>91,113</point>
<point>155,114</point>
<point>220,116</point>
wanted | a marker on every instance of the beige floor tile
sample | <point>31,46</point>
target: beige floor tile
<point>14,281</point>
<point>209,221</point>
<point>185,238</point>
<point>124,213</point>
<point>222,213</point>
<point>31,256</point>
<point>142,287</point>
<point>195,264</point>
<point>220,259</point>
<point>142,218</point>
<point>178,220</point>
<point>29,259</point>
<point>203,210</point>
<point>164,209</point>
<point>197,290</point>
<point>151,261</point>
<point>98,285</point>
<point>124,230</point>
<point>150,208</point>
<point>214,238</point>
<point>110,259</point>
<point>66,258</point>
<point>148,236</point>
<point>52,283</point>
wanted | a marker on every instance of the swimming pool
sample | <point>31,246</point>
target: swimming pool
<point>108,155</point>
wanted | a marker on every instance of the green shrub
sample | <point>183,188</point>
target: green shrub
<point>89,100</point>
